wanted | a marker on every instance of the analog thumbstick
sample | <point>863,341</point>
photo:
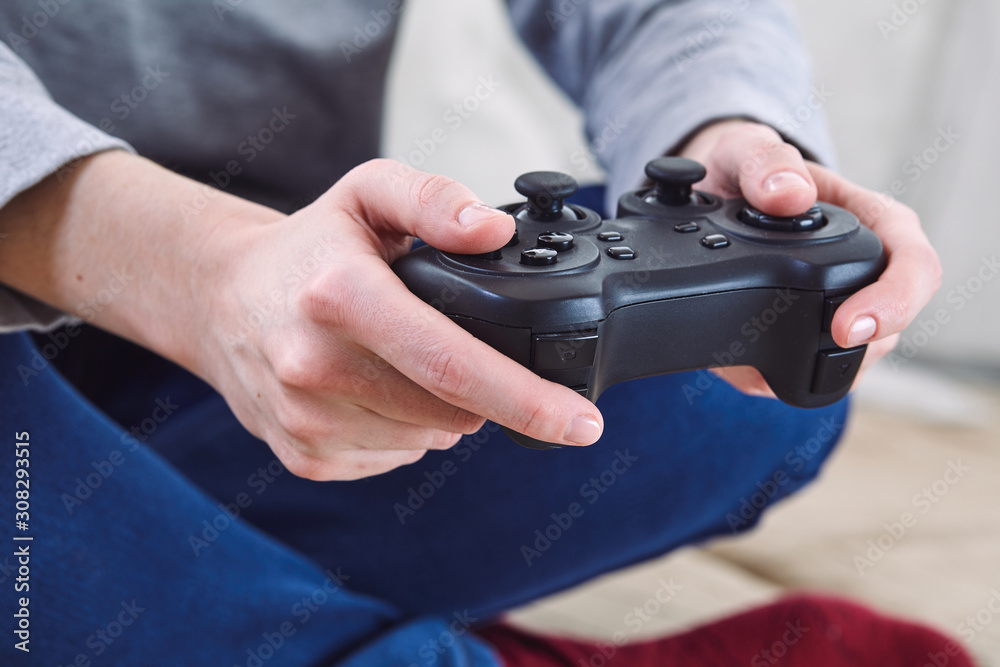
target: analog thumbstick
<point>674,177</point>
<point>545,191</point>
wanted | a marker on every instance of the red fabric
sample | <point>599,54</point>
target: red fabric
<point>800,631</point>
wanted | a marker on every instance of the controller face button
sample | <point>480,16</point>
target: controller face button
<point>687,227</point>
<point>539,256</point>
<point>564,351</point>
<point>558,241</point>
<point>715,241</point>
<point>513,240</point>
<point>610,236</point>
<point>810,220</point>
<point>836,369</point>
<point>622,252</point>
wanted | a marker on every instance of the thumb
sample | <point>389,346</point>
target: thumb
<point>770,173</point>
<point>393,198</point>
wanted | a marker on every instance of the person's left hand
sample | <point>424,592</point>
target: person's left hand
<point>748,159</point>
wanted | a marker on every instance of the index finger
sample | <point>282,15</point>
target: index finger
<point>427,347</point>
<point>911,277</point>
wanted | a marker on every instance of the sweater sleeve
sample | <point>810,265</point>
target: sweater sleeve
<point>38,138</point>
<point>647,73</point>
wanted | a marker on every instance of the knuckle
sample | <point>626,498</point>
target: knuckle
<point>536,423</point>
<point>895,316</point>
<point>463,421</point>
<point>295,368</point>
<point>329,295</point>
<point>307,467</point>
<point>429,189</point>
<point>751,136</point>
<point>785,153</point>
<point>439,440</point>
<point>449,377</point>
<point>300,424</point>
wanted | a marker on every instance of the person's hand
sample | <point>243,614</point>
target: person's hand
<point>322,352</point>
<point>752,160</point>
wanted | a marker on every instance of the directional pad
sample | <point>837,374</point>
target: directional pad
<point>558,241</point>
<point>539,256</point>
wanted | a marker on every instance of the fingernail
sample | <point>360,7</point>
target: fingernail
<point>785,180</point>
<point>475,213</point>
<point>861,331</point>
<point>583,431</point>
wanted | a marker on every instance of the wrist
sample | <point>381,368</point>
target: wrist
<point>127,246</point>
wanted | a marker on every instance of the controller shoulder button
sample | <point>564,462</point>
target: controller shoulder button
<point>836,369</point>
<point>564,351</point>
<point>830,306</point>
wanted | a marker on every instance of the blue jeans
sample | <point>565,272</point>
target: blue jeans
<point>171,536</point>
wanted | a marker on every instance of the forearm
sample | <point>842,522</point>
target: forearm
<point>121,243</point>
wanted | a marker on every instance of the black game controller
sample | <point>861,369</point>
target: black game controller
<point>680,280</point>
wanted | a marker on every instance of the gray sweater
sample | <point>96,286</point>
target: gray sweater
<point>185,82</point>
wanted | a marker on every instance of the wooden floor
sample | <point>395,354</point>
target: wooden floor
<point>908,431</point>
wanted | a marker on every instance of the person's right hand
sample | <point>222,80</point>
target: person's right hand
<point>322,352</point>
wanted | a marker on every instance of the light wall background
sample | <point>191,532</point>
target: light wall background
<point>894,91</point>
